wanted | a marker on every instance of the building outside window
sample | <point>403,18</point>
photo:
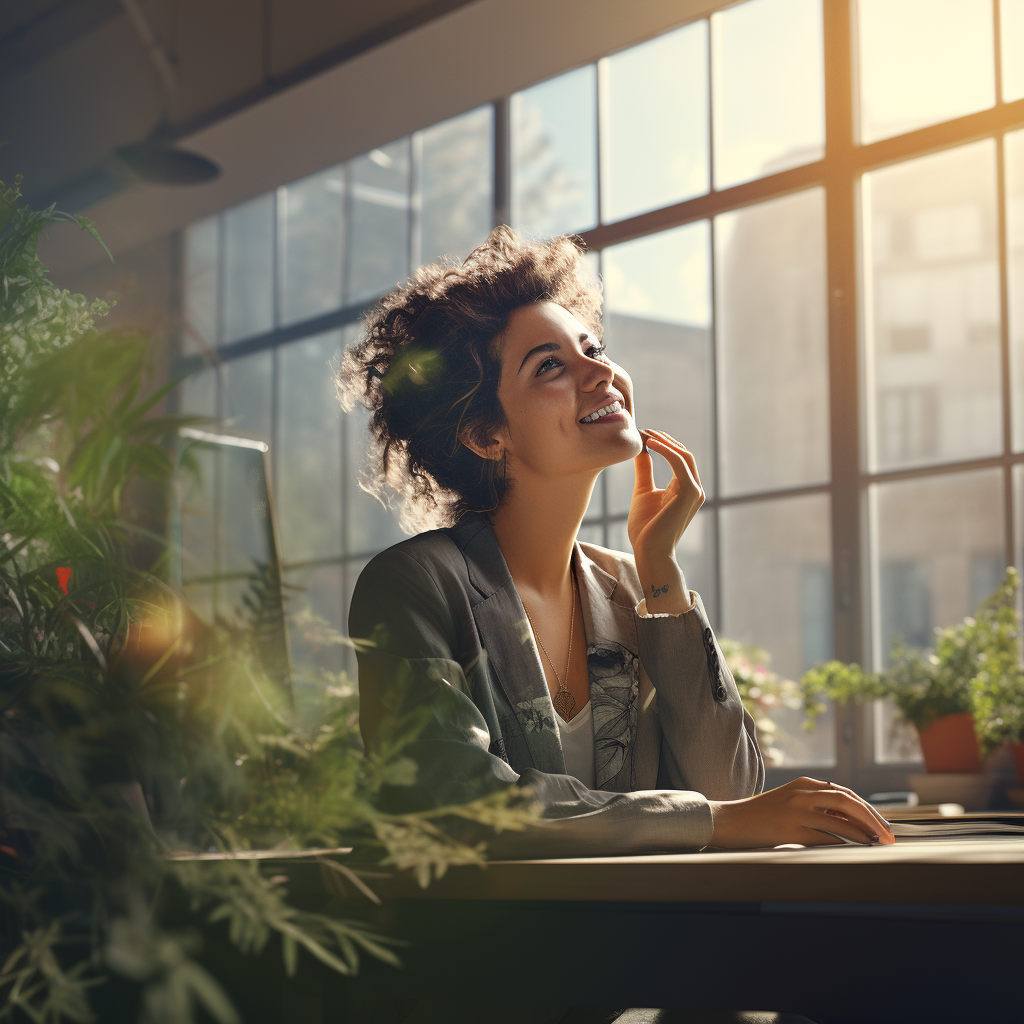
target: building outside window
<point>808,220</point>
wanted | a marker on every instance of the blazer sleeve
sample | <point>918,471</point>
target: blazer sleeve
<point>415,701</point>
<point>709,741</point>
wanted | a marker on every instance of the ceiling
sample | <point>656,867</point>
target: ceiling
<point>65,113</point>
<point>77,79</point>
<point>33,29</point>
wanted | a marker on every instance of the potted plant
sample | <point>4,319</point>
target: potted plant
<point>998,685</point>
<point>938,693</point>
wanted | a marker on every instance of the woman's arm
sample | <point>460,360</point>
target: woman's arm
<point>709,742</point>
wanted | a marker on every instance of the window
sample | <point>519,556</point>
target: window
<point>554,155</point>
<point>934,307</point>
<point>922,62</point>
<point>815,280</point>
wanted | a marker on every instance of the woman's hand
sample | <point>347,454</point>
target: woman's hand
<point>658,517</point>
<point>799,812</point>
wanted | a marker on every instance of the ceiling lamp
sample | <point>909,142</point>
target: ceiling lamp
<point>157,159</point>
<point>160,161</point>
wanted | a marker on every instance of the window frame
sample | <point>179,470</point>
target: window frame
<point>839,172</point>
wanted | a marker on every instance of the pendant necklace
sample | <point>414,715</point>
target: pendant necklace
<point>563,700</point>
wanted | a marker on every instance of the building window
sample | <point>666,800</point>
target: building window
<point>816,282</point>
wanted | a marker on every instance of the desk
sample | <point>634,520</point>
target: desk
<point>924,931</point>
<point>988,872</point>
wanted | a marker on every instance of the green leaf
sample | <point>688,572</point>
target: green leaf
<point>290,953</point>
<point>87,226</point>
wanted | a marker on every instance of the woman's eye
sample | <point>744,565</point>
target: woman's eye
<point>598,350</point>
<point>540,369</point>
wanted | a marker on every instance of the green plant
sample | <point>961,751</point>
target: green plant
<point>974,668</point>
<point>997,686</point>
<point>116,697</point>
<point>764,693</point>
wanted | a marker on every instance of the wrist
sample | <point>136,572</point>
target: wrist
<point>663,584</point>
<point>721,816</point>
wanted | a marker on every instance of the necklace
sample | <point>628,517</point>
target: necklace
<point>563,700</point>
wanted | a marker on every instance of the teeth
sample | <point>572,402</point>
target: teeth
<point>606,411</point>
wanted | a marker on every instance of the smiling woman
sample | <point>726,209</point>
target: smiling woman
<point>496,646</point>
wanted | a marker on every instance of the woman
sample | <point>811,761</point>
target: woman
<point>512,652</point>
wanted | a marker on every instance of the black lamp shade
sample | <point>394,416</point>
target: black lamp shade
<point>166,164</point>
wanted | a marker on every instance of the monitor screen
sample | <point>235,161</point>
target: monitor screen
<point>224,544</point>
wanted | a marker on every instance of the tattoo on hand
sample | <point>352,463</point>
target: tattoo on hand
<point>658,591</point>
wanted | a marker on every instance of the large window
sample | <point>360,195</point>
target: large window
<point>809,222</point>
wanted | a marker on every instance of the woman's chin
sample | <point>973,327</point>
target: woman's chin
<point>625,445</point>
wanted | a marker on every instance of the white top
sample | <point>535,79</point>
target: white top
<point>577,735</point>
<point>577,738</point>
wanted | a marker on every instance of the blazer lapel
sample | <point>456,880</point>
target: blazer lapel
<point>613,666</point>
<point>513,659</point>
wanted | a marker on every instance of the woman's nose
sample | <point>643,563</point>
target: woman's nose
<point>596,372</point>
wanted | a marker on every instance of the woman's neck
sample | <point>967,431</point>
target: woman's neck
<point>536,527</point>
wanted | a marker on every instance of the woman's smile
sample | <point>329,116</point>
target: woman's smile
<point>612,413</point>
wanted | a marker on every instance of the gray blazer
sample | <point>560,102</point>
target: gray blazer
<point>446,654</point>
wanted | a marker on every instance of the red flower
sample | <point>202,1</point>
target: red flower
<point>63,575</point>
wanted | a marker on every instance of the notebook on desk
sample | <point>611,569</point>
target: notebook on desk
<point>974,825</point>
<point>961,827</point>
<point>957,826</point>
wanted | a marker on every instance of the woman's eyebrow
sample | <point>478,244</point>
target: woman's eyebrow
<point>549,346</point>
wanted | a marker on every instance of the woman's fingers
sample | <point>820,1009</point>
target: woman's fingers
<point>680,467</point>
<point>681,449</point>
<point>643,472</point>
<point>882,823</point>
<point>667,438</point>
<point>851,808</point>
<point>826,834</point>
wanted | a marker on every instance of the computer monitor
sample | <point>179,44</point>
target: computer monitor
<point>224,541</point>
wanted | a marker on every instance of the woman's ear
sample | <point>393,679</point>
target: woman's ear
<point>487,448</point>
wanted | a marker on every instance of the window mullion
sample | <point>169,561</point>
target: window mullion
<point>713,375</point>
<point>1005,353</point>
<point>503,161</point>
<point>841,248</point>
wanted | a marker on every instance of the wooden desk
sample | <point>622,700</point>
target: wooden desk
<point>929,932</point>
<point>986,872</point>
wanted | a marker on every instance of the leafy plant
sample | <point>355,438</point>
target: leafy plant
<point>974,668</point>
<point>129,727</point>
<point>997,686</point>
<point>764,693</point>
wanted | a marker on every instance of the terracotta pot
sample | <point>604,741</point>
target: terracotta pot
<point>950,745</point>
<point>1017,749</point>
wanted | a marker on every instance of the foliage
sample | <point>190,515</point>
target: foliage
<point>36,318</point>
<point>130,728</point>
<point>763,692</point>
<point>997,685</point>
<point>974,668</point>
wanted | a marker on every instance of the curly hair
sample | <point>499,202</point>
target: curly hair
<point>427,368</point>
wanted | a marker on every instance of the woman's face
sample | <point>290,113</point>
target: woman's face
<point>554,379</point>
